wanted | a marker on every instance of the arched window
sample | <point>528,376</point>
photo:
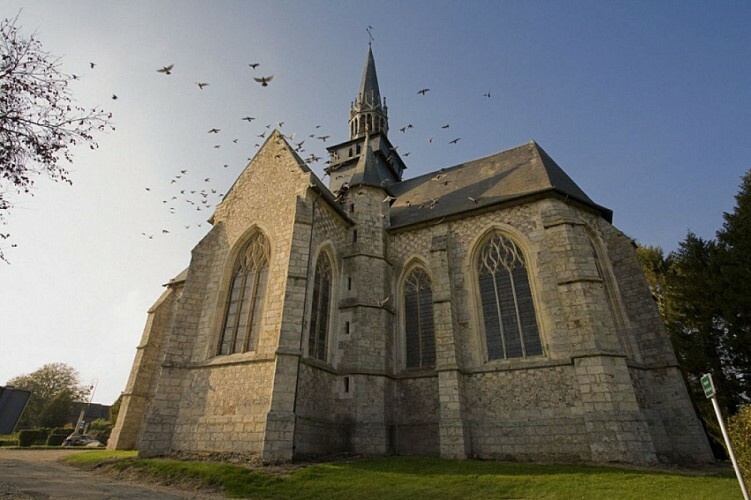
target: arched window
<point>319,313</point>
<point>508,310</point>
<point>242,319</point>
<point>418,320</point>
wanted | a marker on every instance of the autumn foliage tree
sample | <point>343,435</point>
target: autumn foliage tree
<point>40,123</point>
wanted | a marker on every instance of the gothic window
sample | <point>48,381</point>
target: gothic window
<point>418,320</point>
<point>319,314</point>
<point>508,310</point>
<point>242,318</point>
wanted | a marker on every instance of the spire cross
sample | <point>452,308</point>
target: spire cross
<point>369,29</point>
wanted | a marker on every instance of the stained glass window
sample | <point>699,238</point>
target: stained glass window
<point>319,315</point>
<point>242,318</point>
<point>418,320</point>
<point>508,310</point>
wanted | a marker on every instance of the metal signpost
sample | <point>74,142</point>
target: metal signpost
<point>708,385</point>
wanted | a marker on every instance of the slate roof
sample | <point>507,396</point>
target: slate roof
<point>510,176</point>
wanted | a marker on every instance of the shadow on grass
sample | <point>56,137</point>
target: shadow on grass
<point>421,466</point>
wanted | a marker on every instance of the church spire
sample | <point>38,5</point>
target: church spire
<point>368,113</point>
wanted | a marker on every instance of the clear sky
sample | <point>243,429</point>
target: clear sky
<point>646,105</point>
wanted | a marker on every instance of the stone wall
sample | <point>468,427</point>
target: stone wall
<point>142,382</point>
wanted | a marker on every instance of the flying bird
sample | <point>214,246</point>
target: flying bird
<point>201,85</point>
<point>92,65</point>
<point>264,80</point>
<point>487,95</point>
<point>423,91</point>
<point>445,126</point>
<point>167,70</point>
<point>455,140</point>
<point>214,131</point>
<point>324,137</point>
<point>254,65</point>
<point>248,118</point>
<point>114,97</point>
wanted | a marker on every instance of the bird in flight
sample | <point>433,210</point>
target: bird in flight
<point>445,126</point>
<point>423,91</point>
<point>92,65</point>
<point>114,97</point>
<point>214,131</point>
<point>248,118</point>
<point>167,70</point>
<point>324,137</point>
<point>455,140</point>
<point>201,85</point>
<point>254,65</point>
<point>487,95</point>
<point>264,80</point>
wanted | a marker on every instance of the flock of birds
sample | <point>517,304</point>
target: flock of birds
<point>194,192</point>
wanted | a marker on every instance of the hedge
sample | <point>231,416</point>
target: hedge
<point>27,437</point>
<point>739,428</point>
<point>56,439</point>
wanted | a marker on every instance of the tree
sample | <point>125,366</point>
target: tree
<point>54,387</point>
<point>39,121</point>
<point>734,263</point>
<point>703,290</point>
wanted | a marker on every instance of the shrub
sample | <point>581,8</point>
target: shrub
<point>27,437</point>
<point>739,429</point>
<point>8,442</point>
<point>42,434</point>
<point>56,439</point>
<point>100,430</point>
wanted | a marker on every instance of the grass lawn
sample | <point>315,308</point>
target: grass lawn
<point>425,478</point>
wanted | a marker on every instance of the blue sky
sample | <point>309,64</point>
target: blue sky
<point>644,104</point>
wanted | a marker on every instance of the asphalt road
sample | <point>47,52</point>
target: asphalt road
<point>36,474</point>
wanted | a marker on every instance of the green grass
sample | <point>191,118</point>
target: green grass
<point>425,478</point>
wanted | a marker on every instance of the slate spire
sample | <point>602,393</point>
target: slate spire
<point>369,113</point>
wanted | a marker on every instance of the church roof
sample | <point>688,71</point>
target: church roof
<point>506,177</point>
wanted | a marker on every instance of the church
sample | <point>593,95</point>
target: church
<point>484,310</point>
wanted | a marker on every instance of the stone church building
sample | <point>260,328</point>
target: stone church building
<point>489,310</point>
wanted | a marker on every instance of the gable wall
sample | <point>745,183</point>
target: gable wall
<point>220,403</point>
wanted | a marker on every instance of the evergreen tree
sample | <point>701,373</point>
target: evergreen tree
<point>734,262</point>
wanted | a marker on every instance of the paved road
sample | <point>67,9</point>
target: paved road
<point>36,474</point>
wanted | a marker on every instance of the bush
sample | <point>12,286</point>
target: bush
<point>100,430</point>
<point>8,442</point>
<point>42,434</point>
<point>27,437</point>
<point>56,439</point>
<point>739,429</point>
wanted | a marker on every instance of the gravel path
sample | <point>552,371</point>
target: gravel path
<point>37,474</point>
